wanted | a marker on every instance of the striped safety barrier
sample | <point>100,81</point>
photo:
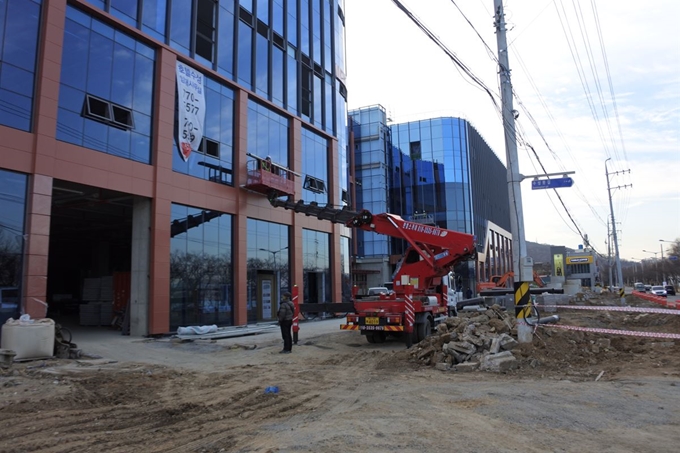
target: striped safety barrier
<point>660,311</point>
<point>630,333</point>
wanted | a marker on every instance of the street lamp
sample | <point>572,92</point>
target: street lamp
<point>276,270</point>
<point>656,265</point>
<point>662,266</point>
<point>274,253</point>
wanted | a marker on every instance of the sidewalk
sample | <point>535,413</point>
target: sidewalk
<point>111,345</point>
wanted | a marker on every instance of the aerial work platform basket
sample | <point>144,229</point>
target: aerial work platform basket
<point>269,178</point>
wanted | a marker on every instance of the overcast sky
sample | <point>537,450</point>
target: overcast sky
<point>560,76</point>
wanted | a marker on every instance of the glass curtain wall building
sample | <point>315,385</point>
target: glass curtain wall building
<point>436,171</point>
<point>91,113</point>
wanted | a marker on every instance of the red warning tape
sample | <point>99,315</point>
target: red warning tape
<point>661,311</point>
<point>631,333</point>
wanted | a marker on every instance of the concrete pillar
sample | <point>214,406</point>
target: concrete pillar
<point>140,267</point>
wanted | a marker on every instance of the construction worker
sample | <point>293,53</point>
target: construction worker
<point>266,164</point>
<point>285,314</point>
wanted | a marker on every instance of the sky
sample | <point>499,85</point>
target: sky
<point>601,80</point>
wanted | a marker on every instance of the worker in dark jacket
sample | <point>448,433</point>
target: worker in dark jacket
<point>286,311</point>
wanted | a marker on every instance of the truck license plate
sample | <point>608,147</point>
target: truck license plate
<point>372,321</point>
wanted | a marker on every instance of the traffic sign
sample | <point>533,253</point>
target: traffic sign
<point>673,258</point>
<point>554,183</point>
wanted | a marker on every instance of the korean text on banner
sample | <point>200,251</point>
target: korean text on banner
<point>191,106</point>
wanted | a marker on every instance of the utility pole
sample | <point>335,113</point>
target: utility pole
<point>609,253</point>
<point>619,273</point>
<point>521,264</point>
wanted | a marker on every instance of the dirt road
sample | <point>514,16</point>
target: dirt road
<point>339,393</point>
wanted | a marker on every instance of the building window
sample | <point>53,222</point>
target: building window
<point>315,166</point>
<point>200,267</point>
<point>267,133</point>
<point>415,151</point>
<point>205,29</point>
<point>107,112</point>
<point>106,89</point>
<point>214,159</point>
<point>314,184</point>
<point>19,31</point>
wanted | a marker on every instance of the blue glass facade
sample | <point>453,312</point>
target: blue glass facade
<point>438,171</point>
<point>372,148</point>
<point>291,63</point>
<point>105,73</point>
<point>201,289</point>
<point>274,84</point>
<point>12,229</point>
<point>268,265</point>
<point>215,157</point>
<point>19,26</point>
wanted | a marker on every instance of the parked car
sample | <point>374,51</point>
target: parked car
<point>670,290</point>
<point>659,291</point>
<point>648,288</point>
<point>640,287</point>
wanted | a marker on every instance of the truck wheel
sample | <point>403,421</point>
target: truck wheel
<point>370,337</point>
<point>408,339</point>
<point>379,337</point>
<point>423,329</point>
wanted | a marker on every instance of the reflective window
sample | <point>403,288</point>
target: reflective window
<point>214,159</point>
<point>245,47</point>
<point>19,28</point>
<point>316,267</point>
<point>315,167</point>
<point>180,26</point>
<point>225,39</point>
<point>106,89</point>
<point>125,10</point>
<point>268,268</point>
<point>153,18</point>
<point>13,188</point>
<point>345,269</point>
<point>201,290</point>
<point>262,66</point>
<point>267,133</point>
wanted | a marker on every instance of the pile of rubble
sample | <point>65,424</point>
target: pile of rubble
<point>478,340</point>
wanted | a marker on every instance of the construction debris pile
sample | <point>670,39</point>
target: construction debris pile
<point>478,340</point>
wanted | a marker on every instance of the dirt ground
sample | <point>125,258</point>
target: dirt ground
<point>337,392</point>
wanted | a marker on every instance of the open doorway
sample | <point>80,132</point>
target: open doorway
<point>90,255</point>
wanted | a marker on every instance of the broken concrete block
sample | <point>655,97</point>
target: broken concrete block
<point>501,362</point>
<point>499,326</point>
<point>495,346</point>
<point>463,347</point>
<point>441,328</point>
<point>442,366</point>
<point>425,353</point>
<point>481,319</point>
<point>507,342</point>
<point>466,367</point>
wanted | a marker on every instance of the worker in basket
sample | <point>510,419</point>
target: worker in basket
<point>266,164</point>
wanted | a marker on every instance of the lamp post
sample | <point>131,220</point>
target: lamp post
<point>274,254</point>
<point>276,270</point>
<point>662,263</point>
<point>656,265</point>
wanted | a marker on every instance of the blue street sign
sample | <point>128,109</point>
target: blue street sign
<point>554,183</point>
<point>673,258</point>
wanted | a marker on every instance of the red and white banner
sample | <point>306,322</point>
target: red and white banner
<point>191,109</point>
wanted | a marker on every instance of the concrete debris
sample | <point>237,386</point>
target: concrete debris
<point>471,341</point>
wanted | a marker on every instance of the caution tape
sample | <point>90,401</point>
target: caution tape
<point>630,333</point>
<point>661,311</point>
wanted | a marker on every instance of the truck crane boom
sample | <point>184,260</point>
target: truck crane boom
<point>420,281</point>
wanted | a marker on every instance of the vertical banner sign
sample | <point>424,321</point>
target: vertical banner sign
<point>266,299</point>
<point>191,107</point>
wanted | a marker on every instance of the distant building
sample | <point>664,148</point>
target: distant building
<point>438,171</point>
